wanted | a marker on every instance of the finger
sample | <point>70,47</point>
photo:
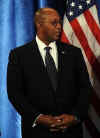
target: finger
<point>59,120</point>
<point>63,127</point>
<point>63,130</point>
<point>53,125</point>
<point>59,123</point>
<point>59,117</point>
<point>54,130</point>
<point>56,123</point>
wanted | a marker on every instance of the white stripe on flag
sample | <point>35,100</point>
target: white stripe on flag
<point>93,44</point>
<point>94,117</point>
<point>85,132</point>
<point>70,33</point>
<point>93,11</point>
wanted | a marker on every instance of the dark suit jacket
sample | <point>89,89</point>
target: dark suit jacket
<point>31,93</point>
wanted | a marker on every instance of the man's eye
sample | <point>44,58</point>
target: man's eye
<point>56,22</point>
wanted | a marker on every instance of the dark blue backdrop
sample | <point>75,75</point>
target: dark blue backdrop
<point>98,6</point>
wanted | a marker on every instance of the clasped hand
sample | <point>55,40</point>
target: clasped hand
<point>57,123</point>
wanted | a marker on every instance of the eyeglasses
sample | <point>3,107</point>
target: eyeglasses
<point>55,23</point>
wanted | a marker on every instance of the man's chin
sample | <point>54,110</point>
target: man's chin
<point>57,38</point>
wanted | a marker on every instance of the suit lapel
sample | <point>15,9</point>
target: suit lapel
<point>63,60</point>
<point>39,60</point>
<point>61,54</point>
<point>37,55</point>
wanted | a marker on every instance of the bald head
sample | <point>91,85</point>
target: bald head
<point>48,25</point>
<point>42,14</point>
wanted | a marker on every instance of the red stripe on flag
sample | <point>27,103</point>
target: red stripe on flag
<point>84,43</point>
<point>64,38</point>
<point>91,128</point>
<point>93,25</point>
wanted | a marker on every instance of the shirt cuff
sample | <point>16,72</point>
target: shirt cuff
<point>34,124</point>
<point>77,119</point>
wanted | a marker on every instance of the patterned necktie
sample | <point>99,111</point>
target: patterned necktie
<point>51,68</point>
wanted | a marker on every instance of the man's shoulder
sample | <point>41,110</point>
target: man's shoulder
<point>68,47</point>
<point>25,47</point>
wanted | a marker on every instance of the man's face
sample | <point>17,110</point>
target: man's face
<point>51,27</point>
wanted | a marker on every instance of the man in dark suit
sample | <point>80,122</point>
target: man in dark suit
<point>52,102</point>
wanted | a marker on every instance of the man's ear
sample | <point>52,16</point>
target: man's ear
<point>38,25</point>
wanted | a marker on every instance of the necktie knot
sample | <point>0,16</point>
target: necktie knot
<point>47,49</point>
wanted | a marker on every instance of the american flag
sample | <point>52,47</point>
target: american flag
<point>81,28</point>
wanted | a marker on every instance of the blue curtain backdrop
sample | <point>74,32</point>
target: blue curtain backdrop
<point>16,28</point>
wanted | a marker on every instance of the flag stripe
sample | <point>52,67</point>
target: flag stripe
<point>92,24</point>
<point>96,103</point>
<point>94,117</point>
<point>96,86</point>
<point>64,38</point>
<point>85,132</point>
<point>70,34</point>
<point>94,13</point>
<point>84,43</point>
<point>91,128</point>
<point>89,36</point>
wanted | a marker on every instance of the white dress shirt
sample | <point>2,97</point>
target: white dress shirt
<point>53,50</point>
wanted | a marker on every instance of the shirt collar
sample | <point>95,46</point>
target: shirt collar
<point>42,45</point>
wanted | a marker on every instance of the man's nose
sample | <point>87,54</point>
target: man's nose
<point>58,26</point>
